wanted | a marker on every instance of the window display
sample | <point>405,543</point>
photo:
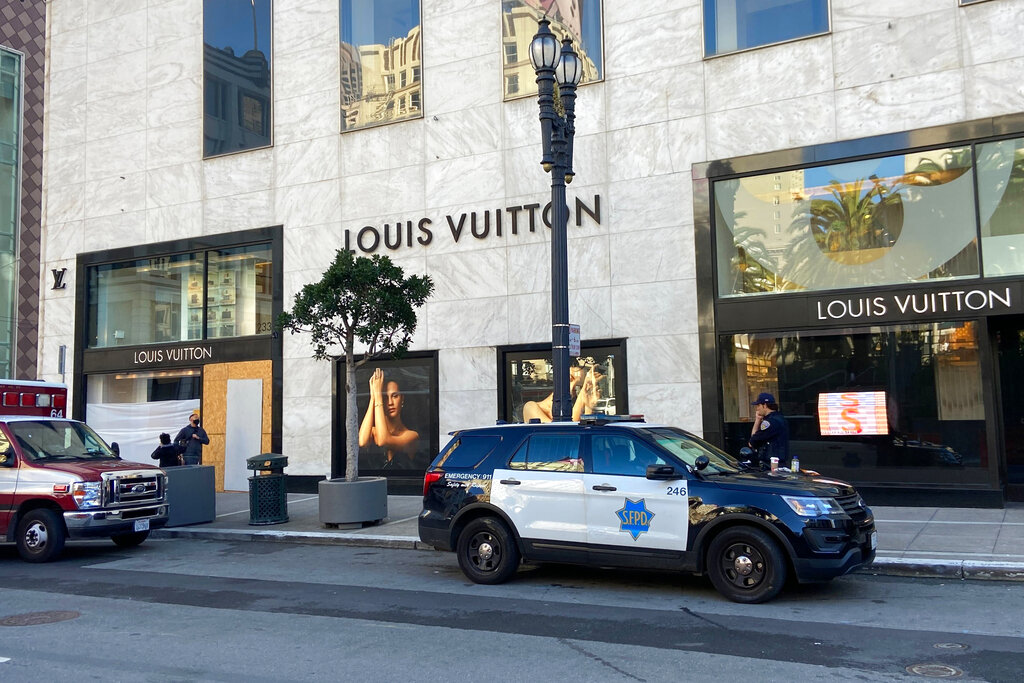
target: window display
<point>863,401</point>
<point>596,383</point>
<point>397,413</point>
<point>165,299</point>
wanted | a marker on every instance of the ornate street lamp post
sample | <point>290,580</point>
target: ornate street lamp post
<point>552,62</point>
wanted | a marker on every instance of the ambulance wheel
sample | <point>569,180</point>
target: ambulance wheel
<point>487,552</point>
<point>40,536</point>
<point>746,565</point>
<point>131,539</point>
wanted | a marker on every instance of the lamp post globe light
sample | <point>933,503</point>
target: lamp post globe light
<point>552,62</point>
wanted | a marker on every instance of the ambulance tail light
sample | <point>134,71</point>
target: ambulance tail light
<point>429,479</point>
<point>43,400</point>
<point>28,400</point>
<point>60,401</point>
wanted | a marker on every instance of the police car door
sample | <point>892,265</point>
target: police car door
<point>625,509</point>
<point>542,492</point>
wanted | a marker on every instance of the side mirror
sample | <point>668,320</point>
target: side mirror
<point>117,449</point>
<point>701,462</point>
<point>7,458</point>
<point>662,472</point>
<point>747,453</point>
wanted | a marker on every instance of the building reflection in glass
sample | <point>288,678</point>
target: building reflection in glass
<point>577,19</point>
<point>236,75</point>
<point>380,58</point>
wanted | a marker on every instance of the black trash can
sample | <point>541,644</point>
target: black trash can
<point>268,498</point>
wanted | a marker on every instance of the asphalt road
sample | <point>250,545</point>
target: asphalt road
<point>195,610</point>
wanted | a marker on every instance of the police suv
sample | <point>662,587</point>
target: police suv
<point>625,493</point>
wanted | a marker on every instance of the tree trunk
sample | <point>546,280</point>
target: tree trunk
<point>351,418</point>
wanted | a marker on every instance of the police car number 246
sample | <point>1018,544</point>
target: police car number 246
<point>623,492</point>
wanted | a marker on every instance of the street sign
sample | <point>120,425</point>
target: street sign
<point>574,340</point>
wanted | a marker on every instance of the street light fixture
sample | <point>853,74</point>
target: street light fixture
<point>552,62</point>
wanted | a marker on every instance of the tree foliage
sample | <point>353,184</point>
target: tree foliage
<point>359,299</point>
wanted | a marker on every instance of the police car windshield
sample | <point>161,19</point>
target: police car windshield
<point>57,440</point>
<point>688,448</point>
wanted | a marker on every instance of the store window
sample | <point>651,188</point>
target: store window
<point>732,25</point>
<point>576,19</point>
<point>133,408</point>
<point>10,198</point>
<point>380,39</point>
<point>597,382</point>
<point>1001,206</point>
<point>145,301</point>
<point>239,297</point>
<point>863,403</point>
<point>161,299</point>
<point>885,221</point>
<point>397,407</point>
<point>236,70</point>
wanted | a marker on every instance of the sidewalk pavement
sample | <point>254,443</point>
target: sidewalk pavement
<point>955,543</point>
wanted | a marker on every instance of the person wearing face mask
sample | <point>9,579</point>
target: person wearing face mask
<point>382,424</point>
<point>191,439</point>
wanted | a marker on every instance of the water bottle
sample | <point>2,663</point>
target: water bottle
<point>795,465</point>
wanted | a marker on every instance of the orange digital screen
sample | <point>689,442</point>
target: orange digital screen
<point>852,412</point>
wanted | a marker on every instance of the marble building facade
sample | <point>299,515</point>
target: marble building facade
<point>124,166</point>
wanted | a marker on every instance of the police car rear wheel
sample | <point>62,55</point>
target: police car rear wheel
<point>746,565</point>
<point>487,552</point>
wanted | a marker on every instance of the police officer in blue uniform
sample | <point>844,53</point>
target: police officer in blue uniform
<point>769,436</point>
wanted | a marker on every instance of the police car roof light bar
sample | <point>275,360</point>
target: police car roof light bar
<point>597,418</point>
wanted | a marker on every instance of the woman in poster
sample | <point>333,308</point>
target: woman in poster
<point>382,424</point>
<point>585,390</point>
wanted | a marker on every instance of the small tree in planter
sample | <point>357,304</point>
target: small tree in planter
<point>358,299</point>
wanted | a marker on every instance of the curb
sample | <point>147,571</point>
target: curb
<point>946,569</point>
<point>311,537</point>
<point>936,568</point>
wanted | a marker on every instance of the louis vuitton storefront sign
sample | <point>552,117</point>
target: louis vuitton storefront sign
<point>905,305</point>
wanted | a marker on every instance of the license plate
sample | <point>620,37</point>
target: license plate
<point>143,525</point>
<point>874,540</point>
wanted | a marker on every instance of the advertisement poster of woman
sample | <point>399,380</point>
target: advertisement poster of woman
<point>394,404</point>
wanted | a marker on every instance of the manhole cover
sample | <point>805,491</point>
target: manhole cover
<point>950,646</point>
<point>36,618</point>
<point>935,670</point>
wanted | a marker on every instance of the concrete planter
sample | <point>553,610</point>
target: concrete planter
<point>351,504</point>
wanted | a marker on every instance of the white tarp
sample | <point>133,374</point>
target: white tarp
<point>136,427</point>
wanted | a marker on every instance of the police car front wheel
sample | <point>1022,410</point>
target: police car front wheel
<point>746,565</point>
<point>487,552</point>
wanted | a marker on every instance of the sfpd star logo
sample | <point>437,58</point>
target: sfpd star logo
<point>635,517</point>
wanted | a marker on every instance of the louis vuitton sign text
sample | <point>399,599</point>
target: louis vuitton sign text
<point>479,225</point>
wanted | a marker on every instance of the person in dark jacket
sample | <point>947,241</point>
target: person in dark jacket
<point>769,437</point>
<point>193,438</point>
<point>167,453</point>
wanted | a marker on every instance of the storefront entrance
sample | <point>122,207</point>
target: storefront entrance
<point>1008,335</point>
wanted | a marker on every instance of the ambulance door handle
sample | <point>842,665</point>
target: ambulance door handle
<point>510,482</point>
<point>604,487</point>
